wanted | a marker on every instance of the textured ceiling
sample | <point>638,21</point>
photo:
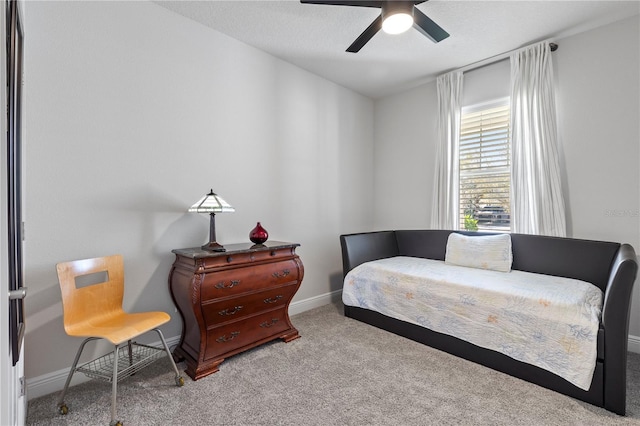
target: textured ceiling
<point>315,37</point>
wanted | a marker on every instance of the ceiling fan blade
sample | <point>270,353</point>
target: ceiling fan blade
<point>427,27</point>
<point>360,3</point>
<point>371,30</point>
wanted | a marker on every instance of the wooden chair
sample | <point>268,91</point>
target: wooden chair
<point>95,311</point>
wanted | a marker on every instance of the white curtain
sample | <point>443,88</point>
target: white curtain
<point>537,204</point>
<point>444,209</point>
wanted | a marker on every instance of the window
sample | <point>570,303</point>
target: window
<point>485,167</point>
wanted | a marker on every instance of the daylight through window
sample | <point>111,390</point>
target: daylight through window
<point>485,167</point>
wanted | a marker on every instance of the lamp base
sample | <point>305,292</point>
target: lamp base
<point>213,246</point>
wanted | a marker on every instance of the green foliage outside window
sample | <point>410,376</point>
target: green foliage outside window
<point>470,224</point>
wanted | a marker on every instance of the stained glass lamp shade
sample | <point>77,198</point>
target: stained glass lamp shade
<point>212,203</point>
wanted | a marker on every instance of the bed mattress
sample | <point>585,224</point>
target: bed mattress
<point>547,321</point>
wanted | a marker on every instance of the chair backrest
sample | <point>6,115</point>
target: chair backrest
<point>91,289</point>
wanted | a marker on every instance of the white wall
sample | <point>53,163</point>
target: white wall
<point>599,110</point>
<point>404,125</point>
<point>597,75</point>
<point>133,113</point>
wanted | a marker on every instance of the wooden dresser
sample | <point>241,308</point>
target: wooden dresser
<point>233,301</point>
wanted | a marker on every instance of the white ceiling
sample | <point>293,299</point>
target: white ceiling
<point>314,37</point>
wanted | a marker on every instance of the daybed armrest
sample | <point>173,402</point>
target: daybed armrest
<point>617,297</point>
<point>360,248</point>
<point>615,321</point>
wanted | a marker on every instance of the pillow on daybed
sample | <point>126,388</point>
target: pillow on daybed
<point>483,252</point>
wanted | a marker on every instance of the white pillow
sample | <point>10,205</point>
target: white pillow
<point>483,252</point>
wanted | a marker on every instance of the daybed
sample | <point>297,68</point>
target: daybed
<point>611,267</point>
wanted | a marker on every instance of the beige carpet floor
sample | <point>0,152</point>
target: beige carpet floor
<point>340,372</point>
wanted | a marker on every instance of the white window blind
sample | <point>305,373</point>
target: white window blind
<point>485,167</point>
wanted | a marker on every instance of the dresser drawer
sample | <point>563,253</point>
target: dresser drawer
<point>246,279</point>
<point>235,335</point>
<point>216,312</point>
<point>238,259</point>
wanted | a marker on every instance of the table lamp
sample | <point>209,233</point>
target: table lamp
<point>212,203</point>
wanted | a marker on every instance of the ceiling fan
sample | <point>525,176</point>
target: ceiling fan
<point>397,16</point>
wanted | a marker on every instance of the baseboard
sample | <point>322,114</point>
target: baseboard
<point>634,344</point>
<point>54,381</point>
<point>314,302</point>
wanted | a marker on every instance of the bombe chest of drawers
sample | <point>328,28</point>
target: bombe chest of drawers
<point>232,301</point>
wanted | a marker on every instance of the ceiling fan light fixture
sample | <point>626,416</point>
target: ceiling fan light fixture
<point>397,16</point>
<point>397,24</point>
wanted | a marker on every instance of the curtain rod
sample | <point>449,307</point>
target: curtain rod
<point>498,58</point>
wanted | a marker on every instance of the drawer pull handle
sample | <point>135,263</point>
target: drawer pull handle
<point>230,311</point>
<point>273,299</point>
<point>273,253</point>
<point>284,273</point>
<point>229,259</point>
<point>269,324</point>
<point>232,283</point>
<point>224,338</point>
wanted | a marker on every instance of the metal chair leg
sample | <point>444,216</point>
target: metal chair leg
<point>114,387</point>
<point>62,407</point>
<point>179,379</point>
<point>129,345</point>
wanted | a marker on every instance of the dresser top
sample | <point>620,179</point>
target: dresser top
<point>197,252</point>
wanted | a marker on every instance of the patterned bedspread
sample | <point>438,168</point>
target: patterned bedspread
<point>547,321</point>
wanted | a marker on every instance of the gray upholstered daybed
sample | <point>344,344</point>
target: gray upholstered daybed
<point>611,267</point>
